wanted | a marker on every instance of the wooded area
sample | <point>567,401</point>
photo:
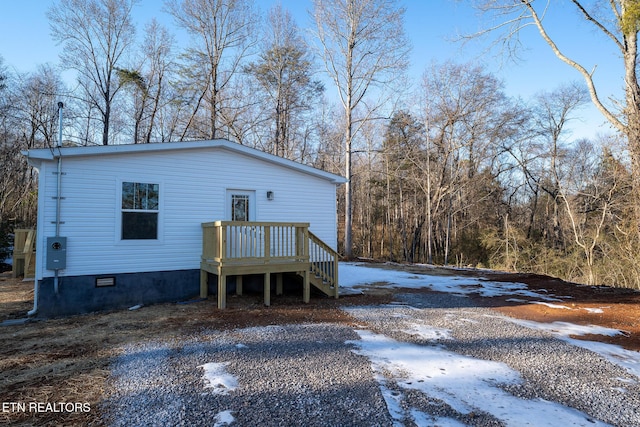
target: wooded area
<point>460,174</point>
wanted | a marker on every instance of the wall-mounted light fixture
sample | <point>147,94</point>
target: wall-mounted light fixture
<point>269,195</point>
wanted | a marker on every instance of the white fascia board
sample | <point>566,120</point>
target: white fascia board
<point>36,156</point>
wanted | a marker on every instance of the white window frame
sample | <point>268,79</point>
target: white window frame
<point>120,210</point>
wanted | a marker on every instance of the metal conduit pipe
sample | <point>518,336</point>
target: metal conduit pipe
<point>58,187</point>
<point>36,286</point>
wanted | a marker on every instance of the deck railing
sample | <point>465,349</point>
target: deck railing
<point>324,262</point>
<point>255,242</point>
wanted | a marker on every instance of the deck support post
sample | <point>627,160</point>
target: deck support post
<point>279,284</point>
<point>204,284</point>
<point>239,284</point>
<point>222,290</point>
<point>306,287</point>
<point>267,289</point>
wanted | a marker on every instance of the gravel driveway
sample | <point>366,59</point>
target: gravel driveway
<point>319,375</point>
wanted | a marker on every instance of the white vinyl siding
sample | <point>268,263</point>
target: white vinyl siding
<point>193,187</point>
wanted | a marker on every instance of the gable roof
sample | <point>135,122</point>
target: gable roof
<point>37,156</point>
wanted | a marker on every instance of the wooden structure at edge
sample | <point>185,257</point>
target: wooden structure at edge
<point>24,253</point>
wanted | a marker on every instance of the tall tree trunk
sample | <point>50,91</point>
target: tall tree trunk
<point>363,47</point>
<point>105,124</point>
<point>214,103</point>
<point>348,245</point>
<point>632,92</point>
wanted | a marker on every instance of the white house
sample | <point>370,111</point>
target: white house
<point>122,225</point>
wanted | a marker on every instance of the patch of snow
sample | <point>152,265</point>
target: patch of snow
<point>217,378</point>
<point>391,398</point>
<point>428,333</point>
<point>564,329</point>
<point>422,419</point>
<point>551,305</point>
<point>355,276</point>
<point>223,418</point>
<point>630,360</point>
<point>464,383</point>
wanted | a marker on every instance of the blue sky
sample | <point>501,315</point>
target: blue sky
<point>430,25</point>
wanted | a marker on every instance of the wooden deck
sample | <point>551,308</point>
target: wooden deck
<point>235,248</point>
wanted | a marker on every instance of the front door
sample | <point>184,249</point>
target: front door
<point>241,205</point>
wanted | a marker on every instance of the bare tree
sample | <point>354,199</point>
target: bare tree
<point>96,35</point>
<point>363,47</point>
<point>402,147</point>
<point>147,84</point>
<point>619,22</point>
<point>159,68</point>
<point>588,192</point>
<point>222,36</point>
<point>553,112</point>
<point>543,152</point>
<point>38,112</point>
<point>137,86</point>
<point>467,117</point>
<point>284,71</point>
<point>28,117</point>
<point>9,149</point>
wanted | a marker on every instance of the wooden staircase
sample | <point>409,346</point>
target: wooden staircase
<point>324,266</point>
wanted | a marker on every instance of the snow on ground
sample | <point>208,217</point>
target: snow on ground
<point>224,418</point>
<point>547,304</point>
<point>630,360</point>
<point>563,307</point>
<point>217,379</point>
<point>354,277</point>
<point>462,381</point>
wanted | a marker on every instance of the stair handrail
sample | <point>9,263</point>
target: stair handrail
<point>328,257</point>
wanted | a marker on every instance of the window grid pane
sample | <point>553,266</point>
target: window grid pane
<point>152,196</point>
<point>140,196</point>
<point>127,195</point>
<point>239,207</point>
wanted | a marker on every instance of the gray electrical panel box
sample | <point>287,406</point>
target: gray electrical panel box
<point>56,253</point>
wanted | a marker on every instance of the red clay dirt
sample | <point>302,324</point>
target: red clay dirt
<point>616,308</point>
